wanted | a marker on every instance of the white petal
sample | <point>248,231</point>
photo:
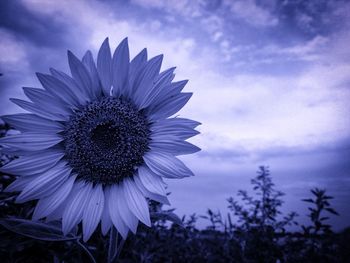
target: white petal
<point>174,122</point>
<point>136,201</point>
<point>166,165</point>
<point>168,92</point>
<point>152,182</point>
<point>120,68</point>
<point>81,75</point>
<point>170,106</point>
<point>93,212</point>
<point>160,89</point>
<point>75,207</point>
<point>179,127</point>
<point>104,66</point>
<point>31,107</point>
<point>31,141</point>
<point>47,205</point>
<point>19,184</point>
<point>26,122</point>
<point>156,197</point>
<point>71,83</point>
<point>115,214</point>
<point>136,65</point>
<point>89,63</point>
<point>45,101</point>
<point>144,82</point>
<point>172,145</point>
<point>58,88</point>
<point>35,163</point>
<point>45,184</point>
<point>128,217</point>
<point>58,212</point>
<point>106,221</point>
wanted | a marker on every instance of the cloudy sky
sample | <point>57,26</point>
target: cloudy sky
<point>270,79</point>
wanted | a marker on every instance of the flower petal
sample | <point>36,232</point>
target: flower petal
<point>158,88</point>
<point>136,201</point>
<point>151,181</point>
<point>115,214</point>
<point>128,217</point>
<point>120,68</point>
<point>71,83</point>
<point>144,82</point>
<point>30,122</point>
<point>172,145</point>
<point>104,66</point>
<point>81,75</point>
<point>45,101</point>
<point>178,127</point>
<point>76,205</point>
<point>182,133</point>
<point>19,184</point>
<point>33,164</point>
<point>45,184</point>
<point>93,212</point>
<point>31,107</point>
<point>179,122</point>
<point>156,197</point>
<point>167,92</point>
<point>58,88</point>
<point>31,141</point>
<point>165,77</point>
<point>166,165</point>
<point>106,221</point>
<point>136,65</point>
<point>89,63</point>
<point>48,204</point>
<point>170,106</point>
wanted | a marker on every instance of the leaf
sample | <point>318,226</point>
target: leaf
<point>328,197</point>
<point>166,215</point>
<point>36,230</point>
<point>308,200</point>
<point>331,210</point>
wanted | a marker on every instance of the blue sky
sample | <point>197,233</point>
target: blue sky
<point>270,81</point>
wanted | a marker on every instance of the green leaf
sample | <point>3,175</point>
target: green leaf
<point>36,230</point>
<point>308,200</point>
<point>165,215</point>
<point>331,210</point>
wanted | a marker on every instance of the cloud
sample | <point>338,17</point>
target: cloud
<point>252,13</point>
<point>249,107</point>
<point>240,154</point>
<point>13,52</point>
<point>40,30</point>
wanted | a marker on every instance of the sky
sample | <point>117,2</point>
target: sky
<point>270,79</point>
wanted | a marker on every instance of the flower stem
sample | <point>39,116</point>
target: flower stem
<point>87,251</point>
<point>114,248</point>
<point>113,244</point>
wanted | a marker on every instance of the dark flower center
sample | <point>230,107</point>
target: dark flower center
<point>106,140</point>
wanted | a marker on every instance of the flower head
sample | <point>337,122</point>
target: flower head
<point>97,144</point>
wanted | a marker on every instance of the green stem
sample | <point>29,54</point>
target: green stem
<point>87,251</point>
<point>114,248</point>
<point>113,244</point>
<point>122,242</point>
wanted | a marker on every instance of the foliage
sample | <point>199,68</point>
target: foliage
<point>321,205</point>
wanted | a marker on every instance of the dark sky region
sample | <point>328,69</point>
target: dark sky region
<point>270,79</point>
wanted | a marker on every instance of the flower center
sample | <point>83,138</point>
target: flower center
<point>106,140</point>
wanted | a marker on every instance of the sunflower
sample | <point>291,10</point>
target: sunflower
<point>96,145</point>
